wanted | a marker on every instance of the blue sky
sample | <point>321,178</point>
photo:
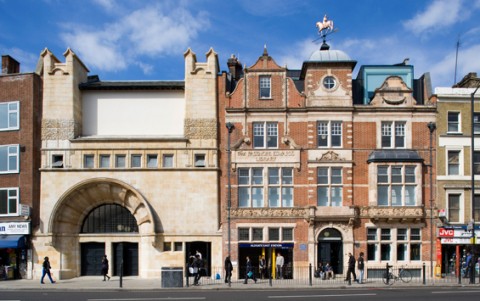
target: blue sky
<point>145,40</point>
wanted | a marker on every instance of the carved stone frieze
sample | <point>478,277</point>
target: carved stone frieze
<point>392,213</point>
<point>200,128</point>
<point>269,213</point>
<point>58,129</point>
<point>330,156</point>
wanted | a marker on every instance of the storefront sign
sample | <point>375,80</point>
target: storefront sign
<point>459,241</point>
<point>15,228</point>
<point>267,245</point>
<point>264,156</point>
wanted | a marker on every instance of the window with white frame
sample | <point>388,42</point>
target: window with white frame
<point>393,134</point>
<point>453,125</point>
<point>257,234</point>
<point>408,244</point>
<point>396,185</point>
<point>273,234</point>
<point>476,123</point>
<point>329,186</point>
<point>104,161</point>
<point>265,135</point>
<point>88,161</point>
<point>265,86</point>
<point>381,244</point>
<point>329,133</point>
<point>243,234</point>
<point>9,116</point>
<point>280,187</point>
<point>9,158</point>
<point>476,162</point>
<point>454,207</point>
<point>277,183</point>
<point>9,201</point>
<point>453,166</point>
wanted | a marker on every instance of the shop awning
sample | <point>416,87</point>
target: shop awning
<point>12,241</point>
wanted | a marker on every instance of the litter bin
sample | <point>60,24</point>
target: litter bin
<point>172,277</point>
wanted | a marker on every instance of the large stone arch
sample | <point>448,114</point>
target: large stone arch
<point>73,206</point>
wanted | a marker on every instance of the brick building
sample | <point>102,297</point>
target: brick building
<point>323,164</point>
<point>20,117</point>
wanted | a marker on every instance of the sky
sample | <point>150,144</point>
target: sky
<point>146,40</point>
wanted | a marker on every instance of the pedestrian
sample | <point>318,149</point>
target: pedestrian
<point>360,267</point>
<point>197,266</point>
<point>249,271</point>
<point>351,269</point>
<point>228,270</point>
<point>262,266</point>
<point>468,265</point>
<point>280,262</point>
<point>46,270</point>
<point>105,268</point>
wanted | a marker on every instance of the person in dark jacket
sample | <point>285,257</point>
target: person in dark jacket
<point>351,268</point>
<point>197,268</point>
<point>360,267</point>
<point>228,270</point>
<point>46,270</point>
<point>249,271</point>
<point>105,268</point>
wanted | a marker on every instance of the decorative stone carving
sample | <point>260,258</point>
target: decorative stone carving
<point>58,129</point>
<point>393,92</point>
<point>270,213</point>
<point>330,156</point>
<point>200,128</point>
<point>392,213</point>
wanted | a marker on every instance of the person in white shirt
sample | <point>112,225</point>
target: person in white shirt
<point>280,262</point>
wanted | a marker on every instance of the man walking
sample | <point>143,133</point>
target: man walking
<point>351,269</point>
<point>361,267</point>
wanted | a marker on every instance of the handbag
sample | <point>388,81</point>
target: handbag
<point>190,270</point>
<point>250,274</point>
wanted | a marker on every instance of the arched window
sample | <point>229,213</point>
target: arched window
<point>110,218</point>
<point>330,234</point>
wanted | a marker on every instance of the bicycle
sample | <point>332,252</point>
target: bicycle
<point>403,275</point>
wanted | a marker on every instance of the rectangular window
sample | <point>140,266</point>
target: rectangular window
<point>265,135</point>
<point>454,208</point>
<point>167,246</point>
<point>453,122</point>
<point>167,160</point>
<point>372,243</point>
<point>287,234</point>
<point>136,161</point>
<point>396,185</point>
<point>329,186</point>
<point>415,244</point>
<point>200,160</point>
<point>476,162</point>
<point>243,234</point>
<point>9,200</point>
<point>104,161</point>
<point>393,134</point>
<point>178,246</point>
<point>265,86</point>
<point>274,234</point>
<point>9,116</point>
<point>250,190</point>
<point>476,123</point>
<point>9,156</point>
<point>453,162</point>
<point>280,187</point>
<point>385,244</point>
<point>88,161</point>
<point>120,161</point>
<point>152,161</point>
<point>329,133</point>
<point>57,161</point>
<point>257,234</point>
<point>476,201</point>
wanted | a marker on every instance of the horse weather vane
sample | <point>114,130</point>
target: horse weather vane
<point>325,28</point>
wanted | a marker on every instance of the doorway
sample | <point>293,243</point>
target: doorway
<point>92,253</point>
<point>330,249</point>
<point>127,253</point>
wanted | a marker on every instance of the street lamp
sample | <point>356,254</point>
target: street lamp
<point>230,128</point>
<point>431,127</point>
<point>472,171</point>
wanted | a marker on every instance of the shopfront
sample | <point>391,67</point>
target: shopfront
<point>455,242</point>
<point>14,250</point>
<point>270,252</point>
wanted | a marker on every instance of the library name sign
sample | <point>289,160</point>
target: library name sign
<point>267,156</point>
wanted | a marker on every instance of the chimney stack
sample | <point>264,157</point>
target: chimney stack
<point>10,65</point>
<point>235,67</point>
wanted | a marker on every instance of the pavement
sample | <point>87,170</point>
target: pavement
<point>136,283</point>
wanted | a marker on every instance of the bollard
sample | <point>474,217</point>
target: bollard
<point>310,274</point>
<point>270,276</point>
<point>424,275</point>
<point>459,273</point>
<point>387,273</point>
<point>121,274</point>
<point>186,276</point>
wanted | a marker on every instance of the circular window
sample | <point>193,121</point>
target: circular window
<point>329,82</point>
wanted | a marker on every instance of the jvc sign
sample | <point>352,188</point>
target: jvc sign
<point>442,232</point>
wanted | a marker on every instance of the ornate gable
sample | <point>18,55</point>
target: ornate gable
<point>393,92</point>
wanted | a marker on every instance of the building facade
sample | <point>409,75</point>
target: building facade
<point>317,164</point>
<point>454,173</point>
<point>20,117</point>
<point>129,169</point>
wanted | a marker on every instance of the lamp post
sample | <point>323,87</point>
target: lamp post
<point>431,127</point>
<point>472,171</point>
<point>230,128</point>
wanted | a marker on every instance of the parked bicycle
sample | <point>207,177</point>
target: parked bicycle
<point>389,278</point>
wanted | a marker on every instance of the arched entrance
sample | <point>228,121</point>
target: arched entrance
<point>330,249</point>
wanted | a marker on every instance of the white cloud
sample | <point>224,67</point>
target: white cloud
<point>154,31</point>
<point>440,14</point>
